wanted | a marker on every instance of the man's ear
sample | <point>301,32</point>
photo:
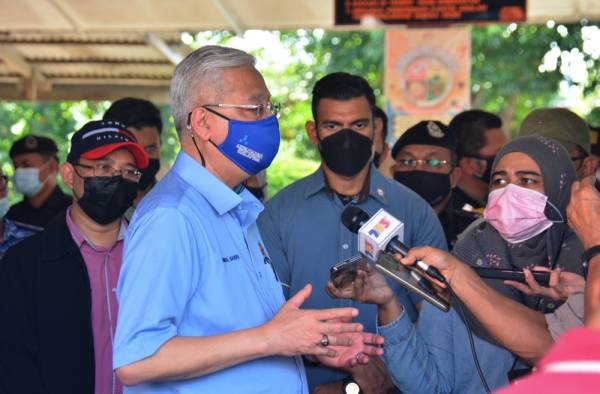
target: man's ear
<point>311,131</point>
<point>589,166</point>
<point>455,176</point>
<point>198,125</point>
<point>385,152</point>
<point>67,172</point>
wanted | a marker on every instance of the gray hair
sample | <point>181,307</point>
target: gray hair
<point>198,72</point>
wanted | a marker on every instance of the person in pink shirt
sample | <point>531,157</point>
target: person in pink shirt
<point>57,297</point>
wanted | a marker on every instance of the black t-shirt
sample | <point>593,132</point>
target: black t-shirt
<point>454,221</point>
<point>460,198</point>
<point>24,212</point>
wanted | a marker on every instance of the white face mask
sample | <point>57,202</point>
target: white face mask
<point>27,181</point>
<point>3,206</point>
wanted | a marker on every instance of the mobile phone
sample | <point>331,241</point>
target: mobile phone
<point>541,277</point>
<point>343,274</point>
<point>412,280</point>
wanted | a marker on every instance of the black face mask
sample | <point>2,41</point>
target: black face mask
<point>258,192</point>
<point>106,198</point>
<point>376,158</point>
<point>487,175</point>
<point>432,187</point>
<point>346,152</point>
<point>149,174</point>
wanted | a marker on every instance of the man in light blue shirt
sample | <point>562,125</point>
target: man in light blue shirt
<point>200,309</point>
<point>301,225</point>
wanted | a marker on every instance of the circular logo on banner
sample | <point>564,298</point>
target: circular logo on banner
<point>427,77</point>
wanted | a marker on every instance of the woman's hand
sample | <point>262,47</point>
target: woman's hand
<point>561,286</point>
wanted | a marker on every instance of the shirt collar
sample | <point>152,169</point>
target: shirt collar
<point>377,184</point>
<point>220,196</point>
<point>316,183</point>
<point>378,188</point>
<point>80,238</point>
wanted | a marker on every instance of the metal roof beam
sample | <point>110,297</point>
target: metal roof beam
<point>237,28</point>
<point>154,40</point>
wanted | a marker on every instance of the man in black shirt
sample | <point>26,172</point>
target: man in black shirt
<point>36,165</point>
<point>479,137</point>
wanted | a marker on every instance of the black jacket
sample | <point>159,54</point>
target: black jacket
<point>46,343</point>
<point>24,212</point>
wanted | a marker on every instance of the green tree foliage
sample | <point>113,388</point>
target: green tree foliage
<point>508,74</point>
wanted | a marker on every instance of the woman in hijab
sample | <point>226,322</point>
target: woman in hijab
<point>524,227</point>
<point>524,220</point>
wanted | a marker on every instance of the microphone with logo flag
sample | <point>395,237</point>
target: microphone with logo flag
<point>381,233</point>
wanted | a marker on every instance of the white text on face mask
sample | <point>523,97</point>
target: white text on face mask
<point>249,153</point>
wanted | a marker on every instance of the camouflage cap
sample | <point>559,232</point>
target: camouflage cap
<point>563,125</point>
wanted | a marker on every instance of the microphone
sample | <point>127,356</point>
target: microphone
<point>381,233</point>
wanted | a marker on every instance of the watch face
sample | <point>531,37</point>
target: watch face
<point>352,388</point>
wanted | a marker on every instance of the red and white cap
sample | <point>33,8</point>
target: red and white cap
<point>98,138</point>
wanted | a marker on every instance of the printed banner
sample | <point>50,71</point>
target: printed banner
<point>427,75</point>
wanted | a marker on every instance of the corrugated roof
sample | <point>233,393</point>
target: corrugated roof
<point>99,49</point>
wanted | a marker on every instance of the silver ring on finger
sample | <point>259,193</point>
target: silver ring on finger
<point>324,340</point>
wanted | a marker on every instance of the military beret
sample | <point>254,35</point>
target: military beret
<point>426,132</point>
<point>33,144</point>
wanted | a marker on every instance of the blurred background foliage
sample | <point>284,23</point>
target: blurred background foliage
<point>515,68</point>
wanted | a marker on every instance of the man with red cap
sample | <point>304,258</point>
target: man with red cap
<point>57,298</point>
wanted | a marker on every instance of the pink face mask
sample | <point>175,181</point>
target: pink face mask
<point>517,213</point>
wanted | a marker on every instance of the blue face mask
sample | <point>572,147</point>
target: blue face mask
<point>27,181</point>
<point>252,146</point>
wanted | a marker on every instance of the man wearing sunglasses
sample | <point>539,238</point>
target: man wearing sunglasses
<point>426,161</point>
<point>57,296</point>
<point>11,232</point>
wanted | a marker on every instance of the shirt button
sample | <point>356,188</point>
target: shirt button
<point>345,246</point>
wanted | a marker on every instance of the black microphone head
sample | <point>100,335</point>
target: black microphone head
<point>353,218</point>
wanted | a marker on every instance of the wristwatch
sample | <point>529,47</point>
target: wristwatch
<point>349,386</point>
<point>591,252</point>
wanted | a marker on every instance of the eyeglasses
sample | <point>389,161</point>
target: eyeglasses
<point>106,170</point>
<point>3,182</point>
<point>258,110</point>
<point>430,164</point>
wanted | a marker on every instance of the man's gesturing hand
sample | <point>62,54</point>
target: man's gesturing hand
<point>295,331</point>
<point>364,346</point>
